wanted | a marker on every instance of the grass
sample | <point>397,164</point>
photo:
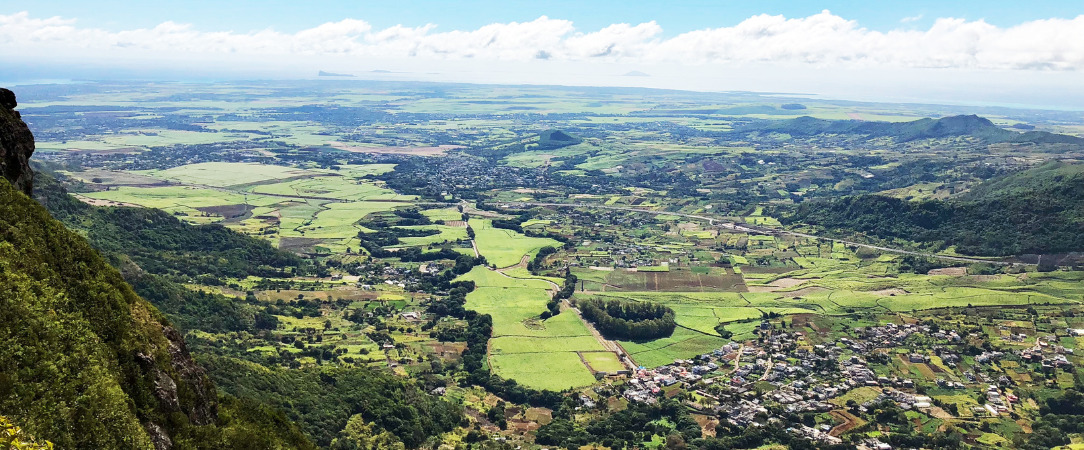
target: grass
<point>553,371</point>
<point>181,199</point>
<point>450,234</point>
<point>505,248</point>
<point>681,345</point>
<point>222,174</point>
<point>331,187</point>
<point>535,353</point>
<point>859,395</point>
<point>603,361</point>
<point>445,214</point>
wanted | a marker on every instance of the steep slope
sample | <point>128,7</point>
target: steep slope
<point>1037,211</point>
<point>16,144</point>
<point>86,363</point>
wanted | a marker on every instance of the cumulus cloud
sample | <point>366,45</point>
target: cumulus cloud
<point>823,40</point>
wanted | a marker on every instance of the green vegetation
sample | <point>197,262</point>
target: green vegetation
<point>86,340</point>
<point>628,320</point>
<point>521,340</point>
<point>503,247</point>
<point>1036,211</point>
<point>322,401</point>
<point>973,126</point>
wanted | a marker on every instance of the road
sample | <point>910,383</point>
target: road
<point>766,231</point>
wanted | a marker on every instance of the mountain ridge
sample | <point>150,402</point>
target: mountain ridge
<point>926,128</point>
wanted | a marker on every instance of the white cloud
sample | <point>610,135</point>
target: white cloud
<point>820,40</point>
<point>910,19</point>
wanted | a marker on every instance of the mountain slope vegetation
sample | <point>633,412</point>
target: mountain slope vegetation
<point>91,364</point>
<point>1037,211</point>
<point>953,126</point>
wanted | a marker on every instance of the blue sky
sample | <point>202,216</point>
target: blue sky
<point>921,50</point>
<point>674,16</point>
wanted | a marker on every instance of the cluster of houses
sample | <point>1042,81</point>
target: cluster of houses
<point>731,379</point>
<point>1048,354</point>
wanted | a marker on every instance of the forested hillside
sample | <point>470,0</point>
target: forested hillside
<point>92,365</point>
<point>160,243</point>
<point>158,246</point>
<point>953,126</point>
<point>1036,211</point>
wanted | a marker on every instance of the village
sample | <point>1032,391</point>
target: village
<point>783,375</point>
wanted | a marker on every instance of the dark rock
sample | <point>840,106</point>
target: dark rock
<point>7,99</point>
<point>203,409</point>
<point>16,145</point>
<point>158,436</point>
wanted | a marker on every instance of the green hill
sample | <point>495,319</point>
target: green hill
<point>553,139</point>
<point>954,126</point>
<point>86,363</point>
<point>1036,211</point>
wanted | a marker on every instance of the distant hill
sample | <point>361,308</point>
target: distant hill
<point>953,126</point>
<point>333,74</point>
<point>552,139</point>
<point>636,73</point>
<point>1037,211</point>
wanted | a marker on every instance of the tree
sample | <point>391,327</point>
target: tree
<point>675,442</point>
<point>360,435</point>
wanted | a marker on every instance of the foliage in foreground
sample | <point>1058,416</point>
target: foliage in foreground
<point>323,400</point>
<point>84,365</point>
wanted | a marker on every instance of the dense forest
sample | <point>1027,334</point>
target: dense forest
<point>159,243</point>
<point>1037,211</point>
<point>323,400</point>
<point>618,319</point>
<point>87,341</point>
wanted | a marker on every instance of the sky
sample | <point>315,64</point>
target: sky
<point>964,51</point>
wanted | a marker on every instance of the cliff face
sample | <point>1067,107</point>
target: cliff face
<point>84,361</point>
<point>16,144</point>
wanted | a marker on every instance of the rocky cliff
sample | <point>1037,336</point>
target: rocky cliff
<point>85,363</point>
<point>16,144</point>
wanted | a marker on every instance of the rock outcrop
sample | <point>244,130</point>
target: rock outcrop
<point>16,144</point>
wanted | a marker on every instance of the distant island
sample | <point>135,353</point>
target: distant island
<point>333,74</point>
<point>636,73</point>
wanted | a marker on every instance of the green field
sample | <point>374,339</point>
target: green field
<point>504,248</point>
<point>222,174</point>
<point>603,361</point>
<point>331,187</point>
<point>535,353</point>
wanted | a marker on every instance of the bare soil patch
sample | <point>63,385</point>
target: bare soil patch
<point>804,291</point>
<point>540,415</point>
<point>889,292</point>
<point>789,282</point>
<point>455,223</point>
<point>298,244</point>
<point>939,413</point>
<point>850,422</point>
<point>951,271</point>
<point>707,424</point>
